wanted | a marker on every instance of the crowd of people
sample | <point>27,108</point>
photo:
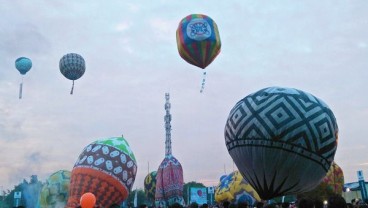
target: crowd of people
<point>335,201</point>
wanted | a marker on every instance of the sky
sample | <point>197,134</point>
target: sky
<point>320,47</point>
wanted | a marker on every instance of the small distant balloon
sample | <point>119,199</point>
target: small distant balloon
<point>23,65</point>
<point>88,200</point>
<point>198,41</point>
<point>72,66</point>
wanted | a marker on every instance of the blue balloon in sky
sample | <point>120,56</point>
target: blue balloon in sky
<point>72,66</point>
<point>23,65</point>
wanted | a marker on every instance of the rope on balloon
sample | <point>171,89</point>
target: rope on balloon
<point>203,81</point>
<point>71,92</point>
<point>21,89</point>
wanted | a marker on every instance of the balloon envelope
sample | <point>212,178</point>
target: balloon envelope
<point>72,66</point>
<point>88,200</point>
<point>150,185</point>
<point>234,188</point>
<point>282,140</point>
<point>106,168</point>
<point>169,182</point>
<point>198,40</point>
<point>334,179</point>
<point>23,65</point>
<point>55,191</point>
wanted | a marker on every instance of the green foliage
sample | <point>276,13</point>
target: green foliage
<point>141,198</point>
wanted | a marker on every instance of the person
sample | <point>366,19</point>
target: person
<point>285,205</point>
<point>176,205</point>
<point>143,206</point>
<point>114,205</point>
<point>225,204</point>
<point>318,203</point>
<point>305,203</point>
<point>204,205</point>
<point>336,201</point>
<point>258,204</point>
<point>243,204</point>
<point>193,205</point>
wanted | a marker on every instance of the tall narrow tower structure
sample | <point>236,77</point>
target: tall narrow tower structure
<point>169,179</point>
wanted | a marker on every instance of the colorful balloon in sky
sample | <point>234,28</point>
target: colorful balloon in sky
<point>334,179</point>
<point>72,66</point>
<point>107,169</point>
<point>235,189</point>
<point>55,191</point>
<point>198,41</point>
<point>150,185</point>
<point>23,65</point>
<point>282,140</point>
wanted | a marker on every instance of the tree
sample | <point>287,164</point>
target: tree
<point>141,198</point>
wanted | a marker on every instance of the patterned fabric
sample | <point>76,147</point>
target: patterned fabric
<point>150,185</point>
<point>282,140</point>
<point>106,168</point>
<point>334,179</point>
<point>234,188</point>
<point>23,65</point>
<point>55,191</point>
<point>72,66</point>
<point>198,40</point>
<point>170,182</point>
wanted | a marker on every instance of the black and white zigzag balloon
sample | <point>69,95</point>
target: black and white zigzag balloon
<point>282,140</point>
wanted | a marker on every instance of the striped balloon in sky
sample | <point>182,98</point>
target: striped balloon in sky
<point>198,40</point>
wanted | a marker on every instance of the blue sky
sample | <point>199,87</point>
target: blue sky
<point>132,60</point>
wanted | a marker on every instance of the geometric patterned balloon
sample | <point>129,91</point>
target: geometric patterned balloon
<point>282,140</point>
<point>72,66</point>
<point>23,65</point>
<point>198,40</point>
<point>106,168</point>
<point>55,192</point>
<point>235,189</point>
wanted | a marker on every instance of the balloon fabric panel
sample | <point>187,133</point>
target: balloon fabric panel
<point>55,191</point>
<point>23,65</point>
<point>106,168</point>
<point>169,182</point>
<point>282,140</point>
<point>234,188</point>
<point>198,40</point>
<point>72,66</point>
<point>150,185</point>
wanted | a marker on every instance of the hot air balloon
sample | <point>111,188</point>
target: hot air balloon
<point>169,179</point>
<point>198,41</point>
<point>72,66</point>
<point>235,189</point>
<point>23,65</point>
<point>55,191</point>
<point>107,169</point>
<point>150,185</point>
<point>282,140</point>
<point>334,179</point>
